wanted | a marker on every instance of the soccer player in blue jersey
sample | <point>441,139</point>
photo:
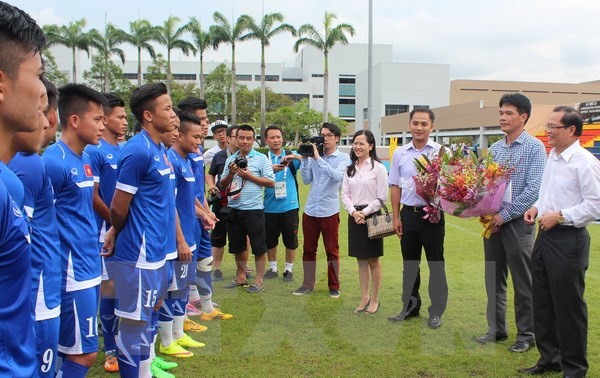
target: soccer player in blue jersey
<point>81,115</point>
<point>104,157</point>
<point>45,252</point>
<point>172,315</point>
<point>139,215</point>
<point>21,39</point>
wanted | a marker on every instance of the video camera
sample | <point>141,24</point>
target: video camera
<point>306,148</point>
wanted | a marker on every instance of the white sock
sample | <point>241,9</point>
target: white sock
<point>145,368</point>
<point>152,348</point>
<point>273,265</point>
<point>194,295</point>
<point>207,305</point>
<point>165,330</point>
<point>178,327</point>
<point>288,266</point>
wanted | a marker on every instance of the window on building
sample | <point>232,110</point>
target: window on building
<point>365,114</point>
<point>317,75</point>
<point>420,106</point>
<point>291,79</point>
<point>130,76</point>
<point>347,101</point>
<point>244,77</point>
<point>317,96</point>
<point>391,109</point>
<point>267,77</point>
<point>347,80</point>
<point>184,76</point>
<point>296,97</point>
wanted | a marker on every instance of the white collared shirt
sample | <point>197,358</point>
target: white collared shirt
<point>571,184</point>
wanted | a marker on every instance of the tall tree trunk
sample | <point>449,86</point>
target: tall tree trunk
<point>326,89</point>
<point>233,87</point>
<point>106,78</point>
<point>74,66</point>
<point>201,75</point>
<point>139,78</point>
<point>169,71</point>
<point>263,97</point>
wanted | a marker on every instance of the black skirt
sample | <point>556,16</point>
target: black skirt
<point>359,244</point>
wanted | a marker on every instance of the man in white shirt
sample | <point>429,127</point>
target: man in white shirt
<point>218,129</point>
<point>569,200</point>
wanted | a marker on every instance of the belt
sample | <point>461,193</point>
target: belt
<point>415,209</point>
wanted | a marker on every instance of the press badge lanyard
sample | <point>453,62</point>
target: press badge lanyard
<point>280,186</point>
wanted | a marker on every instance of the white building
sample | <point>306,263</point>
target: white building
<point>397,87</point>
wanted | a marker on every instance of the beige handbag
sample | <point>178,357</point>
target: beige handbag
<point>380,225</point>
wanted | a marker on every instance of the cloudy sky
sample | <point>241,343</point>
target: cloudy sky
<point>524,40</point>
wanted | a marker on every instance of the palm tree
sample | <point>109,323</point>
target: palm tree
<point>71,36</point>
<point>106,44</point>
<point>141,34</point>
<point>308,35</point>
<point>264,32</point>
<point>223,31</point>
<point>170,36</point>
<point>203,40</point>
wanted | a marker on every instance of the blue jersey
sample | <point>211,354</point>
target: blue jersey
<point>283,204</point>
<point>104,157</point>
<point>185,199</point>
<point>171,248</point>
<point>13,185</point>
<point>73,184</point>
<point>143,171</point>
<point>197,160</point>
<point>17,340</point>
<point>45,252</point>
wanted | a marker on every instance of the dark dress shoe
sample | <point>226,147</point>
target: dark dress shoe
<point>538,370</point>
<point>434,322</point>
<point>489,338</point>
<point>521,346</point>
<point>404,315</point>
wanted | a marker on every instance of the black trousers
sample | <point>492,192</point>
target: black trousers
<point>418,234</point>
<point>559,262</point>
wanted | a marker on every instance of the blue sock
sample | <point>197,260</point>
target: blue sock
<point>179,306</point>
<point>154,323</point>
<point>108,323</point>
<point>165,314</point>
<point>133,343</point>
<point>204,282</point>
<point>70,369</point>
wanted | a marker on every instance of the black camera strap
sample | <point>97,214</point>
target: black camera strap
<point>233,193</point>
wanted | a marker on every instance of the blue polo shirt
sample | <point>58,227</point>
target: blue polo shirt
<point>251,196</point>
<point>290,202</point>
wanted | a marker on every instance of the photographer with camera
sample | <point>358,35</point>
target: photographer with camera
<point>218,199</point>
<point>245,174</point>
<point>281,204</point>
<point>322,212</point>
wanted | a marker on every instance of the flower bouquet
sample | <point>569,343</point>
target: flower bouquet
<point>426,184</point>
<point>469,188</point>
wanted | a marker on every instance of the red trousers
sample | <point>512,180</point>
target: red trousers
<point>312,227</point>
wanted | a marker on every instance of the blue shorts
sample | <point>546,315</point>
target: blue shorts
<point>46,343</point>
<point>204,248</point>
<point>137,290</point>
<point>182,270</point>
<point>78,321</point>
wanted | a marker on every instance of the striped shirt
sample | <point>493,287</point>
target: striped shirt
<point>527,156</point>
<point>251,196</point>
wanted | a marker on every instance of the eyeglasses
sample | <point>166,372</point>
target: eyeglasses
<point>327,136</point>
<point>552,127</point>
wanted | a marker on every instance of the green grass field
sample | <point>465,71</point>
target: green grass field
<point>278,334</point>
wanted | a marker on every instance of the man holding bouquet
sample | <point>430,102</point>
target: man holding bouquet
<point>414,230</point>
<point>569,200</point>
<point>511,242</point>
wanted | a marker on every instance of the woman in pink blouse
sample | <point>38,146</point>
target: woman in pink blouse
<point>365,183</point>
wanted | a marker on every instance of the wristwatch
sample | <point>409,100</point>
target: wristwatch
<point>561,218</point>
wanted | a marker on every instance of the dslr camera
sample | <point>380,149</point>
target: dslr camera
<point>214,197</point>
<point>306,148</point>
<point>240,161</point>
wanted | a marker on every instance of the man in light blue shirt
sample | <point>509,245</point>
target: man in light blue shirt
<point>321,214</point>
<point>246,173</point>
